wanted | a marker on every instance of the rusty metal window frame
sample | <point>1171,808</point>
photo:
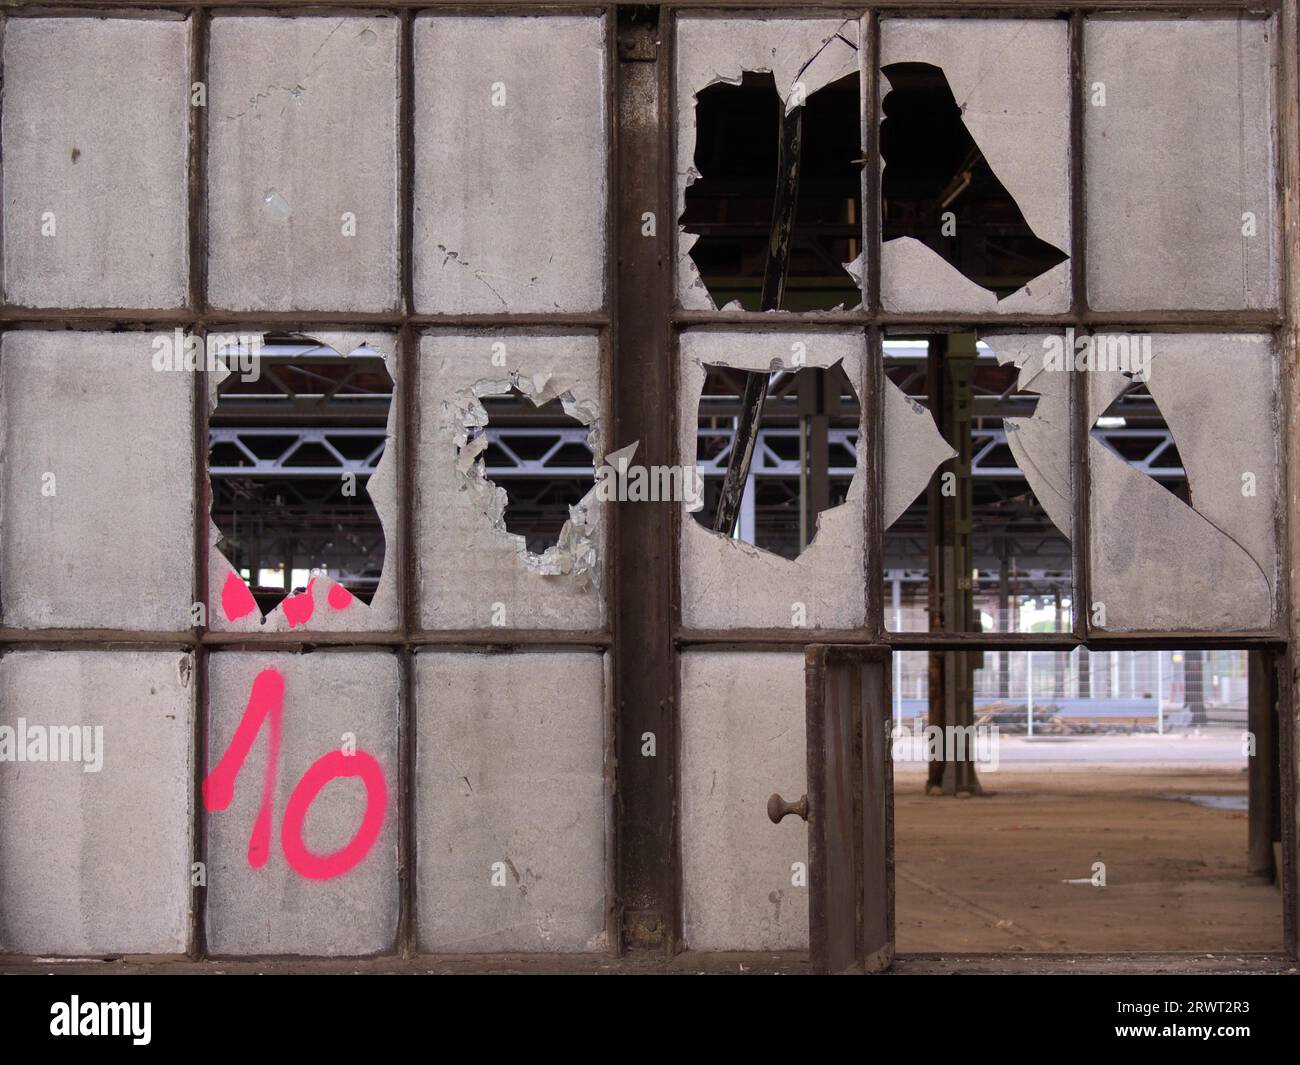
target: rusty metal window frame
<point>877,323</point>
<point>640,317</point>
<point>407,327</point>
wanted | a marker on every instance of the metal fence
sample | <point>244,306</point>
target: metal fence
<point>1080,690</point>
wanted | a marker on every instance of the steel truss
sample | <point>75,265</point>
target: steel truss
<point>1158,458</point>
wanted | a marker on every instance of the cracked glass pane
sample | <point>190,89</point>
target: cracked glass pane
<point>302,164</point>
<point>510,432</point>
<point>1184,468</point>
<point>975,193</point>
<point>511,172</point>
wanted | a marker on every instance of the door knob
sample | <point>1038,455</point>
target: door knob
<point>777,808</point>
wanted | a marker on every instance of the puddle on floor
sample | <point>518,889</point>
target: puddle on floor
<point>1216,802</point>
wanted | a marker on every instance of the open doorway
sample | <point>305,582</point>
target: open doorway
<point>1129,801</point>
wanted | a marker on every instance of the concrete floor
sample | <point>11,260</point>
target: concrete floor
<point>988,874</point>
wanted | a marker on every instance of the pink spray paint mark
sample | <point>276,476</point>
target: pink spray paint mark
<point>339,598</point>
<point>236,600</point>
<point>298,608</point>
<point>326,768</point>
<point>265,701</point>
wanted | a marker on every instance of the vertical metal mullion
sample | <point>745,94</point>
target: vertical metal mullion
<point>1288,155</point>
<point>1081,592</point>
<point>644,664</point>
<point>407,420</point>
<point>200,30</point>
<point>1287,757</point>
<point>871,169</point>
<point>872,437</point>
<point>406,161</point>
<point>1078,221</point>
<point>196,161</point>
<point>608,347</point>
<point>1263,783</point>
<point>667,140</point>
<point>668,133</point>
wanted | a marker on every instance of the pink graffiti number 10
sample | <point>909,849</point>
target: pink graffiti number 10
<point>267,701</point>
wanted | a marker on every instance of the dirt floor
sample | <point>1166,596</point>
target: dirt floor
<point>987,874</point>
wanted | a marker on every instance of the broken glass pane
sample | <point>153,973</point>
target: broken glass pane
<point>293,446</point>
<point>1184,493</point>
<point>541,457</point>
<point>733,204</point>
<point>975,146</point>
<point>804,458</point>
<point>938,188</point>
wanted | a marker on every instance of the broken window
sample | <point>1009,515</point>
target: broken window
<point>938,188</point>
<point>803,460</point>
<point>975,186</point>
<point>791,538</point>
<point>981,550</point>
<point>541,458</point>
<point>777,188</point>
<point>504,204</point>
<point>1133,429</point>
<point>769,157</point>
<point>296,434</point>
<point>510,523</point>
<point>1184,492</point>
